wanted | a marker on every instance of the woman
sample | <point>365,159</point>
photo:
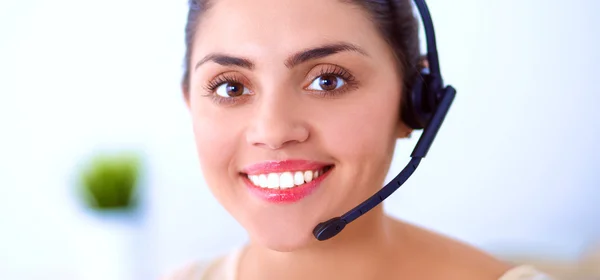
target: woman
<point>296,109</point>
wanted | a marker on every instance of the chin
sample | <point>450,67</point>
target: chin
<point>283,231</point>
<point>283,240</point>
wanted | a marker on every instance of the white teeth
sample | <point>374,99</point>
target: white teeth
<point>273,180</point>
<point>254,180</point>
<point>262,181</point>
<point>308,176</point>
<point>285,180</point>
<point>298,178</point>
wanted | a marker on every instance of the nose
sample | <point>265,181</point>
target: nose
<point>278,122</point>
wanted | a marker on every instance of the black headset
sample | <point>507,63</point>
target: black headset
<point>427,106</point>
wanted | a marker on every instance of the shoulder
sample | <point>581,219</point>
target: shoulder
<point>194,270</point>
<point>454,259</point>
<point>219,268</point>
<point>524,273</point>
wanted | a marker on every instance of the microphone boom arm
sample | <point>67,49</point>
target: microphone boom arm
<point>331,228</point>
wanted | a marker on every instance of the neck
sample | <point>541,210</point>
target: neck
<point>368,240</point>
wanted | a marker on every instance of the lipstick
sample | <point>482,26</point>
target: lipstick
<point>285,181</point>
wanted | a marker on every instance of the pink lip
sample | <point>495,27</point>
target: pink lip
<point>290,195</point>
<point>282,166</point>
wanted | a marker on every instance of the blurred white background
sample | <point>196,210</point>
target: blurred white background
<point>515,168</point>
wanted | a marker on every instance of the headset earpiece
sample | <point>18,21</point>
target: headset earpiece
<point>421,101</point>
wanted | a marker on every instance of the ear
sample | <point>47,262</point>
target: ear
<point>403,130</point>
<point>186,96</point>
<point>423,63</point>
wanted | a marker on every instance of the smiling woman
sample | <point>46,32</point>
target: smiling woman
<point>296,109</point>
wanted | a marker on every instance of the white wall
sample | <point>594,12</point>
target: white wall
<point>515,167</point>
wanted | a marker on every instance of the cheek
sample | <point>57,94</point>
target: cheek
<point>363,142</point>
<point>216,144</point>
<point>366,131</point>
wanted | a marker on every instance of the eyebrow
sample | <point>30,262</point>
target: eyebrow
<point>226,60</point>
<point>293,61</point>
<point>320,52</point>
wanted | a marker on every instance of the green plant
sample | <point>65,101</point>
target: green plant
<point>110,182</point>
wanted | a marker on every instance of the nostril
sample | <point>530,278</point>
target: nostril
<point>276,145</point>
<point>276,133</point>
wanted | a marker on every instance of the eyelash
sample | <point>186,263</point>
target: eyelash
<point>225,78</point>
<point>337,72</point>
<point>330,70</point>
<point>220,80</point>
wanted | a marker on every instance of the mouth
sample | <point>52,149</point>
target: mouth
<point>281,183</point>
<point>286,180</point>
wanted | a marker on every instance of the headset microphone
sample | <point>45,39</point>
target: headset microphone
<point>428,105</point>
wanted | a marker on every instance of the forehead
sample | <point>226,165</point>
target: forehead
<point>279,27</point>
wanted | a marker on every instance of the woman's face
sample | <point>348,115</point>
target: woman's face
<point>295,109</point>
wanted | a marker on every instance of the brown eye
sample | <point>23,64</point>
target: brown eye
<point>231,89</point>
<point>235,89</point>
<point>327,83</point>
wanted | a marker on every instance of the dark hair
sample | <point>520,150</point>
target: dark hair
<point>394,19</point>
